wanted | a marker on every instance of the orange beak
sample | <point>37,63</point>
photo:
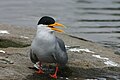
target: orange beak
<point>56,24</point>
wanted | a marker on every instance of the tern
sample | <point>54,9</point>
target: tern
<point>46,47</point>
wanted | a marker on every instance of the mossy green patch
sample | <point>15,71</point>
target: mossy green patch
<point>5,43</point>
<point>116,69</point>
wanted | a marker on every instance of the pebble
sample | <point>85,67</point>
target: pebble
<point>61,77</point>
<point>1,51</point>
<point>75,78</point>
<point>4,32</point>
<point>6,60</point>
<point>67,78</point>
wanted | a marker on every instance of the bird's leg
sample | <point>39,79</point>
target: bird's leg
<point>40,71</point>
<point>55,74</point>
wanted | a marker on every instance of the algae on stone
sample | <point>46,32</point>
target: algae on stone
<point>5,43</point>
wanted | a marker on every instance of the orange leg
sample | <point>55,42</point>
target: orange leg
<point>55,74</point>
<point>40,71</point>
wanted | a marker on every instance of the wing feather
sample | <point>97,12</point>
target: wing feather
<point>33,57</point>
<point>60,52</point>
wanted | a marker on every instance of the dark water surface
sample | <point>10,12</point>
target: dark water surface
<point>96,20</point>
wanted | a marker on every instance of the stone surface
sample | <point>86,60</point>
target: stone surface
<point>86,58</point>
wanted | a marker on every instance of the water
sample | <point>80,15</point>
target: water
<point>96,20</point>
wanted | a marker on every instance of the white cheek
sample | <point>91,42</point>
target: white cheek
<point>44,28</point>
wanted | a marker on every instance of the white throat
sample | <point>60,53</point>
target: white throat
<point>44,29</point>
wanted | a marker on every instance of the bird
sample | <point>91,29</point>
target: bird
<point>46,47</point>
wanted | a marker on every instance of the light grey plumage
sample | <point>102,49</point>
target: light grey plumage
<point>47,48</point>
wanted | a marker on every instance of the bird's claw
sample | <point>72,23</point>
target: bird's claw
<point>53,76</point>
<point>39,72</point>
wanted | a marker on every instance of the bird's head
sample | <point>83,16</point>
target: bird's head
<point>50,22</point>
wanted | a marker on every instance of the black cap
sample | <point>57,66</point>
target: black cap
<point>46,20</point>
